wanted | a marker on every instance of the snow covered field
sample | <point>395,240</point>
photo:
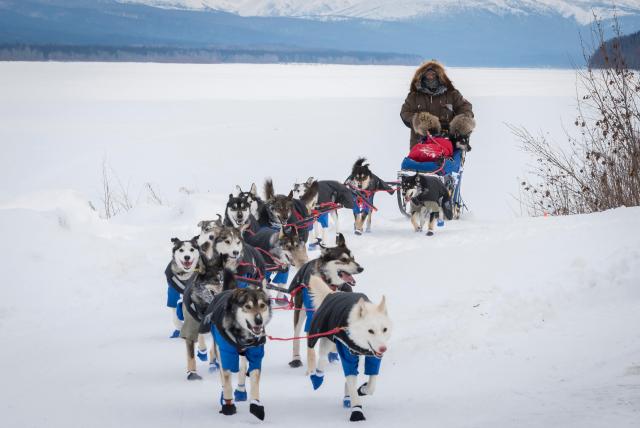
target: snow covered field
<point>499,320</point>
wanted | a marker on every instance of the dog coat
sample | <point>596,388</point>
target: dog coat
<point>332,313</point>
<point>300,281</point>
<point>334,191</point>
<point>197,309</point>
<point>175,289</point>
<point>230,348</point>
<point>262,240</point>
<point>432,190</point>
<point>252,265</point>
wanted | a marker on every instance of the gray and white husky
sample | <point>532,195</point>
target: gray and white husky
<point>363,329</point>
<point>425,196</point>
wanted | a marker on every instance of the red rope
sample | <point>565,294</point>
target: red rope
<point>310,336</point>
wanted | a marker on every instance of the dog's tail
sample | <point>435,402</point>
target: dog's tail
<point>269,192</point>
<point>319,290</point>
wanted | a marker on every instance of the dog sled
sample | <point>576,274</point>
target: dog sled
<point>449,170</point>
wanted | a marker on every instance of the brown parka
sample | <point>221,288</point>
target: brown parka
<point>445,106</point>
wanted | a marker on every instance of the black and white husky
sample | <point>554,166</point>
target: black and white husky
<point>365,184</point>
<point>358,328</point>
<point>425,195</point>
<point>329,191</point>
<point>336,266</point>
<point>237,256</point>
<point>238,319</point>
<point>185,258</point>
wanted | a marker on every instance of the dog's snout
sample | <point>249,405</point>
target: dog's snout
<point>382,349</point>
<point>187,258</point>
<point>236,252</point>
<point>360,269</point>
<point>258,319</point>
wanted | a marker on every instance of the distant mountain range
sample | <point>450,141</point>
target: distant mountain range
<point>629,49</point>
<point>514,33</point>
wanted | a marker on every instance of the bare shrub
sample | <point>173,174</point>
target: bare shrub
<point>600,168</point>
<point>114,199</point>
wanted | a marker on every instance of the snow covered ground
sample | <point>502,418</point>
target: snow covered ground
<point>499,320</point>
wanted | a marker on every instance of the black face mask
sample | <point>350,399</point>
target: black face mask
<point>432,84</point>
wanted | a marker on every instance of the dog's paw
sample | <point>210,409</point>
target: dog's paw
<point>214,366</point>
<point>316,379</point>
<point>333,357</point>
<point>256,409</point>
<point>239,395</point>
<point>346,402</point>
<point>294,364</point>
<point>358,232</point>
<point>429,233</point>
<point>363,389</point>
<point>193,376</point>
<point>357,415</point>
<point>228,409</point>
<point>175,334</point>
<point>202,355</point>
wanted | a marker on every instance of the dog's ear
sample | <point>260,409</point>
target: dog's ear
<point>218,221</point>
<point>290,195</point>
<point>194,241</point>
<point>310,181</point>
<point>382,307</point>
<point>238,191</point>
<point>231,196</point>
<point>176,243</point>
<point>200,224</point>
<point>254,189</point>
<point>340,241</point>
<point>361,307</point>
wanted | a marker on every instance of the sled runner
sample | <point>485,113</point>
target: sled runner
<point>448,169</point>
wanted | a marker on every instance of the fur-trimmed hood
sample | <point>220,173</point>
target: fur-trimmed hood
<point>439,69</point>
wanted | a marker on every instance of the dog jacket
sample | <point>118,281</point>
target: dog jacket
<point>334,312</point>
<point>334,191</point>
<point>230,348</point>
<point>433,189</point>
<point>300,281</point>
<point>178,286</point>
<point>197,308</point>
<point>360,205</point>
<point>252,265</point>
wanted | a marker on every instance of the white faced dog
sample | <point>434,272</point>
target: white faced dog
<point>358,328</point>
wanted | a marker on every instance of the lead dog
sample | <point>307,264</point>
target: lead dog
<point>358,328</point>
<point>237,320</point>
<point>336,266</point>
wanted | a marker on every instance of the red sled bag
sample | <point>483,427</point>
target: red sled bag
<point>432,149</point>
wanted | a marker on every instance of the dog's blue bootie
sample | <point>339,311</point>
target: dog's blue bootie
<point>214,366</point>
<point>316,379</point>
<point>440,222</point>
<point>240,395</point>
<point>175,334</point>
<point>333,357</point>
<point>202,355</point>
<point>346,402</point>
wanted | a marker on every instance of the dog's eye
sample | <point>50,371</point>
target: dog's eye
<point>262,306</point>
<point>192,250</point>
<point>227,241</point>
<point>181,250</point>
<point>211,237</point>
<point>370,331</point>
<point>247,307</point>
<point>384,330</point>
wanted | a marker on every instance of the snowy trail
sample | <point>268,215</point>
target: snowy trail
<point>524,323</point>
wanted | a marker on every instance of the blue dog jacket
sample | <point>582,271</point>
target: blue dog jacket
<point>350,361</point>
<point>230,356</point>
